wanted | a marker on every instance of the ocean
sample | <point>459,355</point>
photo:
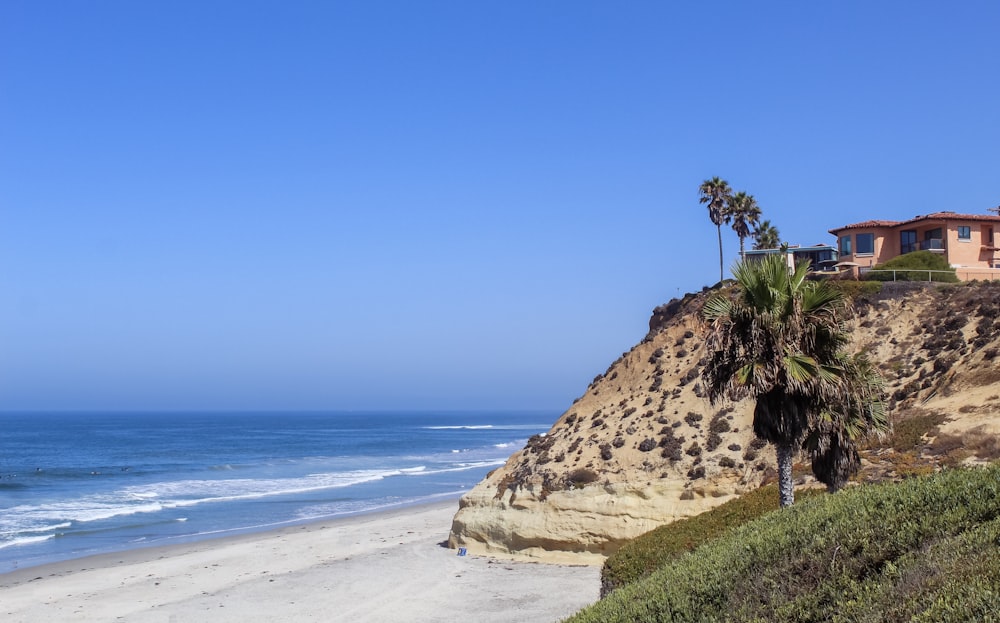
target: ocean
<point>77,484</point>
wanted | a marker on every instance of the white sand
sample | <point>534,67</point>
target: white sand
<point>383,567</point>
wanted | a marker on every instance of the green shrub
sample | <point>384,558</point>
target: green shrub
<point>925,549</point>
<point>854,289</point>
<point>646,553</point>
<point>914,267</point>
<point>908,433</point>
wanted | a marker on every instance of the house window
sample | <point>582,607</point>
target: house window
<point>933,240</point>
<point>907,241</point>
<point>845,245</point>
<point>964,232</point>
<point>866,244</point>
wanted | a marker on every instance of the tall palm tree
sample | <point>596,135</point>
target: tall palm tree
<point>766,236</point>
<point>745,214</point>
<point>857,412</point>
<point>778,341</point>
<point>716,193</point>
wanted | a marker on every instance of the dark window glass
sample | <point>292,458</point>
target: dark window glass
<point>866,244</point>
<point>907,241</point>
<point>845,245</point>
<point>964,232</point>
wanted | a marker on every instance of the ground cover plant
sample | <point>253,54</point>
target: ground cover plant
<point>647,553</point>
<point>925,549</point>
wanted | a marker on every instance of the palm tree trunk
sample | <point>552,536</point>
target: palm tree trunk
<point>721,274</point>
<point>786,491</point>
<point>742,255</point>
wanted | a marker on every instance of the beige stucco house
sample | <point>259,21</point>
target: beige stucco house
<point>970,242</point>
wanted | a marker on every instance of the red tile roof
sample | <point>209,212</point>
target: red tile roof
<point>952,216</point>
<point>934,216</point>
<point>867,225</point>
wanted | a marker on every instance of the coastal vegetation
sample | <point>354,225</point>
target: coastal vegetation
<point>914,266</point>
<point>853,289</point>
<point>647,553</point>
<point>924,549</point>
<point>780,341</point>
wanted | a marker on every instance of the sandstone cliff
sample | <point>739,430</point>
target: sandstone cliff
<point>643,446</point>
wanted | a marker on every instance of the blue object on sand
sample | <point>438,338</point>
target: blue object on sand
<point>461,551</point>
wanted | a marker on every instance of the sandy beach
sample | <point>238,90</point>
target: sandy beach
<point>387,567</point>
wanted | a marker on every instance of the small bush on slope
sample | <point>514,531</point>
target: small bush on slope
<point>854,289</point>
<point>926,549</point>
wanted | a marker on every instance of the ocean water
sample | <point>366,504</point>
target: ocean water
<point>77,484</point>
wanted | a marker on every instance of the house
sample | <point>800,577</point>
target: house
<point>821,257</point>
<point>968,241</point>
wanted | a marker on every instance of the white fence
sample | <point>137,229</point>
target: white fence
<point>964,274</point>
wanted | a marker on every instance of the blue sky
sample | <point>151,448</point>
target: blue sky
<point>436,205</point>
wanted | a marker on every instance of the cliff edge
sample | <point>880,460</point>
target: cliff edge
<point>642,446</point>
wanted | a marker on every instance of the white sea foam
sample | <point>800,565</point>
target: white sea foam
<point>183,493</point>
<point>58,526</point>
<point>354,507</point>
<point>462,427</point>
<point>25,540</point>
<point>479,464</point>
<point>461,467</point>
<point>20,519</point>
<point>155,497</point>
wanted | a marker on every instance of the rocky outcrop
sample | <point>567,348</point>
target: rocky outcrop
<point>643,445</point>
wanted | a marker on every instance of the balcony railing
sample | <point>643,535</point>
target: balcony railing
<point>934,244</point>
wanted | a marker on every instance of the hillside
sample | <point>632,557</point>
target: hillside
<point>920,550</point>
<point>642,446</point>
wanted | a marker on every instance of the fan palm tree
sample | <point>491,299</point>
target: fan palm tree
<point>858,411</point>
<point>745,214</point>
<point>766,236</point>
<point>778,341</point>
<point>716,193</point>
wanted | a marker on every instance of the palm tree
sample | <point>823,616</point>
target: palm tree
<point>766,236</point>
<point>778,341</point>
<point>716,193</point>
<point>858,411</point>
<point>745,214</point>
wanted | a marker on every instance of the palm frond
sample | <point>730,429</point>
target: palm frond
<point>801,368</point>
<point>719,306</point>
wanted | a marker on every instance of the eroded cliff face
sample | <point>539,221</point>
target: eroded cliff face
<point>643,446</point>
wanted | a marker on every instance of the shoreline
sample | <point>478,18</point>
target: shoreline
<point>383,566</point>
<point>168,542</point>
<point>186,544</point>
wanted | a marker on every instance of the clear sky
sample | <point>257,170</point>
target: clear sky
<point>457,205</point>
